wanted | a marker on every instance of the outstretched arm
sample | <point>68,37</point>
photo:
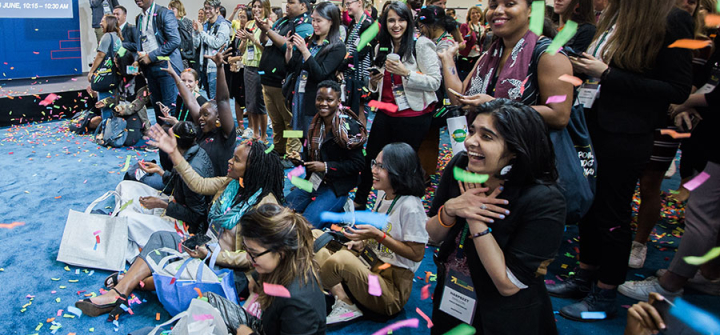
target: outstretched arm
<point>222,95</point>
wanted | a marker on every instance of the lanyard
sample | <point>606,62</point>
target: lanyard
<point>147,17</point>
<point>389,211</point>
<point>461,246</point>
<point>600,43</point>
<point>441,37</point>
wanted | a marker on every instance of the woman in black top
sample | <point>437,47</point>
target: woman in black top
<point>333,154</point>
<point>190,79</point>
<point>217,135</point>
<point>314,62</point>
<point>356,65</point>
<point>581,12</point>
<point>499,236</point>
<point>639,79</point>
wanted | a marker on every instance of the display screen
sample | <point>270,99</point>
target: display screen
<point>40,9</point>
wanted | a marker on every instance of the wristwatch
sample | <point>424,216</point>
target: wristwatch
<point>407,76</point>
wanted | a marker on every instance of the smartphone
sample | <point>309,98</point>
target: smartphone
<point>296,162</point>
<point>455,92</point>
<point>132,70</point>
<point>373,71</point>
<point>195,241</point>
<point>572,53</point>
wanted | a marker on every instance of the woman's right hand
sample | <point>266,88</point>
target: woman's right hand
<point>355,245</point>
<point>472,204</point>
<point>151,167</point>
<point>159,138</point>
<point>376,78</point>
<point>294,155</point>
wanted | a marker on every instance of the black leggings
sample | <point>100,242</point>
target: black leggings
<point>386,130</point>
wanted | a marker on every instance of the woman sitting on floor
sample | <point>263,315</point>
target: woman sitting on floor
<point>333,156</point>
<point>500,235</point>
<point>398,177</point>
<point>190,79</point>
<point>152,211</point>
<point>263,182</point>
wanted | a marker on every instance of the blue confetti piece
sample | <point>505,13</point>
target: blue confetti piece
<point>695,317</point>
<point>593,315</point>
<point>261,72</point>
<point>377,220</point>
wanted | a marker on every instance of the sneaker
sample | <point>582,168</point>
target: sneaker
<point>576,286</point>
<point>637,255</point>
<point>248,133</point>
<point>342,312</point>
<point>699,283</point>
<point>598,300</point>
<point>151,148</point>
<point>640,290</point>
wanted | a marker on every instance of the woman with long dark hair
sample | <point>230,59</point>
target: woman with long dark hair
<point>314,62</point>
<point>499,234</point>
<point>111,38</point>
<point>409,77</point>
<point>398,177</point>
<point>580,12</point>
<point>639,78</point>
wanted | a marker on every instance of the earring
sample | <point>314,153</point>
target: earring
<point>505,170</point>
<point>217,123</point>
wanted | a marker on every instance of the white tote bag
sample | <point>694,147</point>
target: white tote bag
<point>201,318</point>
<point>94,240</point>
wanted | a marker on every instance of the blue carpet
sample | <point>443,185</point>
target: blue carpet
<point>46,171</point>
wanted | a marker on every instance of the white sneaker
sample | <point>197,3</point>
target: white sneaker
<point>637,255</point>
<point>699,283</point>
<point>248,133</point>
<point>640,290</point>
<point>342,312</point>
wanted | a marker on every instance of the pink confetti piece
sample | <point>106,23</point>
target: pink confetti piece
<point>49,99</point>
<point>549,282</point>
<point>203,317</point>
<point>613,228</point>
<point>697,181</point>
<point>142,284</point>
<point>59,312</point>
<point>276,290</point>
<point>424,316</point>
<point>347,315</point>
<point>296,172</point>
<point>556,99</point>
<point>96,232</point>
<point>374,285</point>
<point>397,325</point>
<point>425,292</point>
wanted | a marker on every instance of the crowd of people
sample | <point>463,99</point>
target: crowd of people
<point>320,71</point>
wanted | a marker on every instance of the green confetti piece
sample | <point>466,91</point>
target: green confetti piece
<point>163,58</point>
<point>364,153</point>
<point>302,184</point>
<point>537,18</point>
<point>125,205</point>
<point>270,148</point>
<point>157,252</point>
<point>91,330</point>
<point>53,327</point>
<point>57,300</point>
<point>712,254</point>
<point>38,327</point>
<point>273,71</point>
<point>204,299</point>
<point>469,177</point>
<point>562,37</point>
<point>23,310</point>
<point>127,164</point>
<point>292,133</point>
<point>368,35</point>
<point>384,49</point>
<point>462,329</point>
<point>69,316</point>
<point>121,52</point>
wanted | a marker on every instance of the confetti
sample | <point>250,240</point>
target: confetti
<point>593,315</point>
<point>425,292</point>
<point>127,164</point>
<point>697,181</point>
<point>424,316</point>
<point>556,99</point>
<point>276,290</point>
<point>469,177</point>
<point>397,325</point>
<point>537,17</point>
<point>270,148</point>
<point>712,20</point>
<point>562,37</point>
<point>462,329</point>
<point>695,317</point>
<point>374,285</point>
<point>368,35</point>
<point>712,254</point>
<point>388,107</point>
<point>292,133</point>
<point>377,220</point>
<point>674,134</point>
<point>302,184</point>
<point>12,225</point>
<point>690,44</point>
<point>384,266</point>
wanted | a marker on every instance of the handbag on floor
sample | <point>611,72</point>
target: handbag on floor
<point>176,281</point>
<point>94,240</point>
<point>200,318</point>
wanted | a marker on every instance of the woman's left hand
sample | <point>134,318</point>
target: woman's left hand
<point>315,166</point>
<point>475,100</point>
<point>299,43</point>
<point>396,68</point>
<point>200,251</point>
<point>362,232</point>
<point>244,330</point>
<point>589,65</point>
<point>219,57</point>
<point>153,202</point>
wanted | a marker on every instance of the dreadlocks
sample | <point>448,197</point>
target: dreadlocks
<point>263,170</point>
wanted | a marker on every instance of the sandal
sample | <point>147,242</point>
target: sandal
<point>112,280</point>
<point>93,310</point>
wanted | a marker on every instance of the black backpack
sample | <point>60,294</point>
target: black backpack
<point>80,122</point>
<point>187,51</point>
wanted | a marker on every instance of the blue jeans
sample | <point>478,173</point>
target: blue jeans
<point>106,111</point>
<point>325,201</point>
<point>212,84</point>
<point>162,87</point>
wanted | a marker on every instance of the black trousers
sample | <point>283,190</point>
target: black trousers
<point>385,130</point>
<point>605,236</point>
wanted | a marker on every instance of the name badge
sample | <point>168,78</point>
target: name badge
<point>316,179</point>
<point>459,299</point>
<point>269,42</point>
<point>400,98</point>
<point>251,52</point>
<point>302,81</point>
<point>588,92</point>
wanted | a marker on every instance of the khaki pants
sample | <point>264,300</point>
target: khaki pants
<point>345,267</point>
<point>98,34</point>
<point>281,118</point>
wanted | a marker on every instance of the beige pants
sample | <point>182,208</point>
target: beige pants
<point>98,34</point>
<point>281,119</point>
<point>345,267</point>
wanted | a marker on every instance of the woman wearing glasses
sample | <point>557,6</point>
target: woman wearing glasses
<point>254,178</point>
<point>398,177</point>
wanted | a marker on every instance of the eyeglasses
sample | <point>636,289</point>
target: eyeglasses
<point>349,2</point>
<point>253,258</point>
<point>375,164</point>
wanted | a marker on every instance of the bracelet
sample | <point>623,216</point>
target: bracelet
<point>383,238</point>
<point>325,167</point>
<point>605,73</point>
<point>487,231</point>
<point>440,218</point>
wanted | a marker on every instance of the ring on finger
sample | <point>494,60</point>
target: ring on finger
<point>482,206</point>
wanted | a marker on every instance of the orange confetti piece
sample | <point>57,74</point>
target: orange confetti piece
<point>690,44</point>
<point>575,81</point>
<point>11,225</point>
<point>712,20</point>
<point>50,320</point>
<point>197,289</point>
<point>157,316</point>
<point>58,197</point>
<point>384,266</point>
<point>335,227</point>
<point>674,134</point>
<point>427,277</point>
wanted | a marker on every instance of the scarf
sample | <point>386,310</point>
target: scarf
<point>340,131</point>
<point>224,213</point>
<point>510,82</point>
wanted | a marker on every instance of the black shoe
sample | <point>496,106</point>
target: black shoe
<point>576,286</point>
<point>598,300</point>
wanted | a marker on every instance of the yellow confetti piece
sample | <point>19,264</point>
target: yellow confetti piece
<point>67,268</point>
<point>57,300</point>
<point>292,133</point>
<point>73,280</point>
<point>69,316</point>
<point>23,310</point>
<point>38,327</point>
<point>91,330</point>
<point>564,266</point>
<point>54,279</point>
<point>63,287</point>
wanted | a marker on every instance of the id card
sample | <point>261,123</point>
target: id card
<point>132,69</point>
<point>316,179</point>
<point>370,259</point>
<point>251,52</point>
<point>588,92</point>
<point>459,299</point>
<point>302,81</point>
<point>400,98</point>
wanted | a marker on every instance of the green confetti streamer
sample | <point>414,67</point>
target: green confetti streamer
<point>127,163</point>
<point>562,37</point>
<point>270,148</point>
<point>292,133</point>
<point>368,35</point>
<point>462,329</point>
<point>537,17</point>
<point>302,184</point>
<point>712,254</point>
<point>469,177</point>
<point>163,58</point>
<point>121,52</point>
<point>125,205</point>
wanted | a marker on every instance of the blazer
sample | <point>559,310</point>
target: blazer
<point>128,34</point>
<point>425,77</point>
<point>320,67</point>
<point>637,103</point>
<point>98,11</point>
<point>167,35</point>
